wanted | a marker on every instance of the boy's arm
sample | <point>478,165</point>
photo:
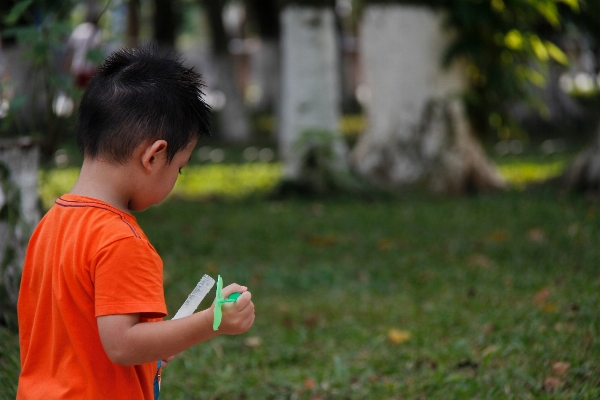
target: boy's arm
<point>128,342</point>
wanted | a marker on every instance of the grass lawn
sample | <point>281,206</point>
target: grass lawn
<point>486,297</point>
<point>492,296</point>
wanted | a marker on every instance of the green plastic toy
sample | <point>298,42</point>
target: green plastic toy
<point>219,300</point>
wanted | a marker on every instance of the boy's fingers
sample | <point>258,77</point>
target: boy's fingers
<point>240,304</point>
<point>243,300</point>
<point>166,362</point>
<point>233,288</point>
<point>248,311</point>
<point>248,322</point>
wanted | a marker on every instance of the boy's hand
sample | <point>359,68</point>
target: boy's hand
<point>238,316</point>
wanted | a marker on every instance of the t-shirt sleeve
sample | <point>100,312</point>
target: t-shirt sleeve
<point>128,278</point>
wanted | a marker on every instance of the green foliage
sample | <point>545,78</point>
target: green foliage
<point>17,12</point>
<point>508,47</point>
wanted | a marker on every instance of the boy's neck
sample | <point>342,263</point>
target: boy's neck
<point>111,183</point>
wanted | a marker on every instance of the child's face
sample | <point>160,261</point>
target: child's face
<point>162,180</point>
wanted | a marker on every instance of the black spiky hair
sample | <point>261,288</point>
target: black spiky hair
<point>137,95</point>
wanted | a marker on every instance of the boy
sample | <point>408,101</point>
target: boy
<point>91,302</point>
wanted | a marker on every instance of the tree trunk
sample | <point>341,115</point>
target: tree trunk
<point>27,82</point>
<point>309,140</point>
<point>265,70</point>
<point>165,23</point>
<point>133,23</point>
<point>265,63</point>
<point>233,119</point>
<point>584,172</point>
<point>418,132</point>
<point>19,212</point>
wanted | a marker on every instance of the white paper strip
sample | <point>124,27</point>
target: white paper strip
<point>194,299</point>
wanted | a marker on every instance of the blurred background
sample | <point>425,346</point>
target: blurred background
<point>409,188</point>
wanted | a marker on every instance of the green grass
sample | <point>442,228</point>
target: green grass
<point>520,171</point>
<point>230,181</point>
<point>240,180</point>
<point>330,280</point>
<point>492,291</point>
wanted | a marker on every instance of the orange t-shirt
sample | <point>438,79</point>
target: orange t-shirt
<point>85,259</point>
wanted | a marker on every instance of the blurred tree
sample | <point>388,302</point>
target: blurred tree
<point>584,172</point>
<point>166,21</point>
<point>19,214</point>
<point>266,62</point>
<point>311,146</point>
<point>233,118</point>
<point>418,132</point>
<point>508,48</point>
<point>133,23</point>
<point>33,44</point>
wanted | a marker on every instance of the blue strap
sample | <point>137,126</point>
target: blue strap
<point>157,381</point>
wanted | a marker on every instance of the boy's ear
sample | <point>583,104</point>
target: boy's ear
<point>153,152</point>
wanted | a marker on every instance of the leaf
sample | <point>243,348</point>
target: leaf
<point>549,11</point>
<point>321,240</point>
<point>514,40</point>
<point>311,320</point>
<point>559,368</point>
<point>540,297</point>
<point>574,4</point>
<point>397,336</point>
<point>17,11</point>
<point>551,383</point>
<point>498,236</point>
<point>556,53</point>
<point>498,5</point>
<point>480,260</point>
<point>536,235</point>
<point>539,49</point>
<point>310,383</point>
<point>535,77</point>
